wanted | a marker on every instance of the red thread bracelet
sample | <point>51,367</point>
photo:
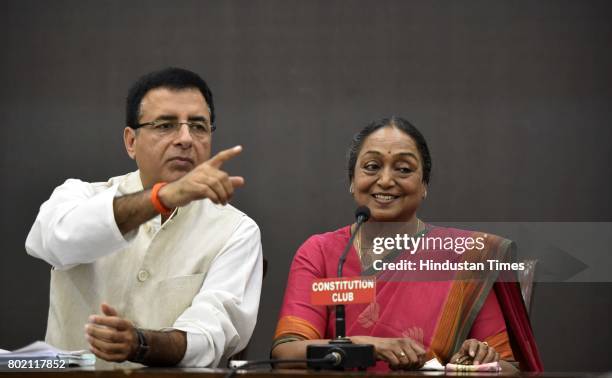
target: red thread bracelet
<point>157,204</point>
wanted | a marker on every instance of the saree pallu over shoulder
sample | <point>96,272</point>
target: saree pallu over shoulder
<point>466,297</point>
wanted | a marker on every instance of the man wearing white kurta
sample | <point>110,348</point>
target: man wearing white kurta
<point>173,268</point>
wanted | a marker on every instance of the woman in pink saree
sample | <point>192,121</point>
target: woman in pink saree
<point>478,321</point>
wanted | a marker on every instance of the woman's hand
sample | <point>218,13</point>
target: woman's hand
<point>400,353</point>
<point>474,352</point>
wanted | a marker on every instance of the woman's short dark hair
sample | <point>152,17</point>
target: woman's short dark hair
<point>400,124</point>
<point>171,78</point>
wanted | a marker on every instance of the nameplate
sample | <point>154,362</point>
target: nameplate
<point>345,290</point>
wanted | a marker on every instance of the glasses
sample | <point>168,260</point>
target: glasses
<point>162,127</point>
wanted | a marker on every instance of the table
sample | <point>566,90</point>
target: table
<point>278,373</point>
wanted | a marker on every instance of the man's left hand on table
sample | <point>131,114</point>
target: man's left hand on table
<point>111,337</point>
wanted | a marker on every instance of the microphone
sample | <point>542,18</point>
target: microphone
<point>347,355</point>
<point>362,214</point>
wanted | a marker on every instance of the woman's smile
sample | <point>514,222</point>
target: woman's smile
<point>384,198</point>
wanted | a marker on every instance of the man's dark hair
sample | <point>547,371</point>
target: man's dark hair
<point>171,78</point>
<point>399,123</point>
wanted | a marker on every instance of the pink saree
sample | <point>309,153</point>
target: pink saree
<point>438,314</point>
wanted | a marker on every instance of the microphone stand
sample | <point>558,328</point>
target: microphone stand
<point>346,355</point>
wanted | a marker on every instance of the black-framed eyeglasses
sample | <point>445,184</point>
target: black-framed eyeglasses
<point>167,127</point>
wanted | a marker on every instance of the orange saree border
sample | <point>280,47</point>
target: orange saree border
<point>501,344</point>
<point>293,325</point>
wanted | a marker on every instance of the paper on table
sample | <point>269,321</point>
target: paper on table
<point>39,350</point>
<point>491,367</point>
<point>434,364</point>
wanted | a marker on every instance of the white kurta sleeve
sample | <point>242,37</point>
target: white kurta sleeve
<point>222,316</point>
<point>76,225</point>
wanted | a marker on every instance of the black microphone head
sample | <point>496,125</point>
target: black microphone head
<point>362,214</point>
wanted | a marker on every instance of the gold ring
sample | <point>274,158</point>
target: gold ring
<point>402,354</point>
<point>485,343</point>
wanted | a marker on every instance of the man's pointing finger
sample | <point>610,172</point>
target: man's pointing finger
<point>225,155</point>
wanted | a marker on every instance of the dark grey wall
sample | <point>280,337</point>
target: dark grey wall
<point>513,96</point>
